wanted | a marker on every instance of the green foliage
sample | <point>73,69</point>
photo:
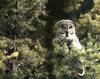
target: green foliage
<point>30,25</point>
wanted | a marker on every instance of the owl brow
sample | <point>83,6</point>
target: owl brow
<point>60,23</point>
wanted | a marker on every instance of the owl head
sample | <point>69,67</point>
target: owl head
<point>66,27</point>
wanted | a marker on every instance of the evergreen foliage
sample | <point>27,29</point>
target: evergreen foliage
<point>27,39</point>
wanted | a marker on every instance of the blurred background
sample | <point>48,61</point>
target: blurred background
<point>27,31</point>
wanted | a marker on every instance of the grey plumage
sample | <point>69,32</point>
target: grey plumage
<point>65,33</point>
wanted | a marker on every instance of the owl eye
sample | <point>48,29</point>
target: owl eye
<point>70,27</point>
<point>63,26</point>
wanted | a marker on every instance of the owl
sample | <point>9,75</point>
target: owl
<point>66,34</point>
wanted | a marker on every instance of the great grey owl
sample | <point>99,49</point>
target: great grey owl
<point>66,34</point>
